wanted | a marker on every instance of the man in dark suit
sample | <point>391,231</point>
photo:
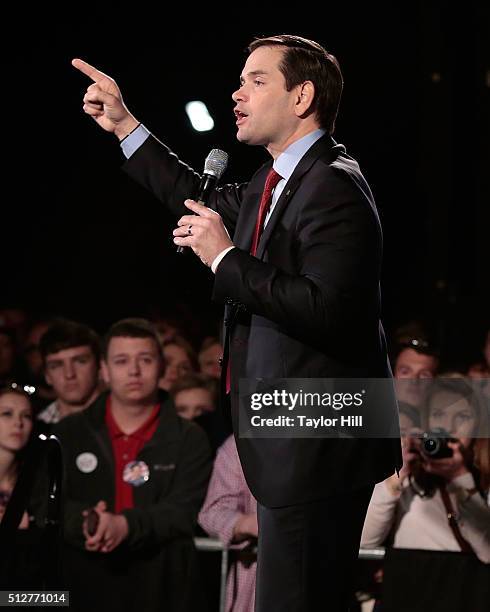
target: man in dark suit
<point>296,254</point>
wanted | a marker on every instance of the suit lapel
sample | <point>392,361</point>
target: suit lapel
<point>323,146</point>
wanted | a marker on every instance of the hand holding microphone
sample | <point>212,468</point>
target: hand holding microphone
<point>214,166</point>
<point>204,230</point>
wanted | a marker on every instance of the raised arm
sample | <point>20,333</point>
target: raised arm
<point>103,102</point>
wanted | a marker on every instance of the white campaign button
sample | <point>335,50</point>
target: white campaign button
<point>86,462</point>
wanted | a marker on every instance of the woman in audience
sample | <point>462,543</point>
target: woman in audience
<point>439,503</point>
<point>21,565</point>
<point>180,360</point>
<point>15,430</point>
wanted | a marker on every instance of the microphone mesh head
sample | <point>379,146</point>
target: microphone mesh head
<point>216,163</point>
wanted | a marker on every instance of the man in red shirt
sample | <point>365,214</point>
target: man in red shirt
<point>136,475</point>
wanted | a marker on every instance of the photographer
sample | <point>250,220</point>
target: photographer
<point>438,503</point>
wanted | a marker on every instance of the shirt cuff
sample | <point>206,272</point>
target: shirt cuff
<point>218,258</point>
<point>134,140</point>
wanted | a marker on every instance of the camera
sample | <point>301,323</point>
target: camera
<point>435,443</point>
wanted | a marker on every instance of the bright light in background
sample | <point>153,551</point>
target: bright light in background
<point>199,116</point>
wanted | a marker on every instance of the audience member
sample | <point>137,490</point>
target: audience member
<point>415,364</point>
<point>194,395</point>
<point>71,354</point>
<point>210,356</point>
<point>136,475</point>
<point>438,505</point>
<point>230,513</point>
<point>180,360</point>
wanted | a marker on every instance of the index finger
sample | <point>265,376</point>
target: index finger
<point>200,209</point>
<point>90,71</point>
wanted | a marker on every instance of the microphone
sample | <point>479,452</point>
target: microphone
<point>214,166</point>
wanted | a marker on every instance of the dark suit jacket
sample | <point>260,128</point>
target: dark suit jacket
<point>307,306</point>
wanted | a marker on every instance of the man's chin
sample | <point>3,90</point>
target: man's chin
<point>139,399</point>
<point>241,137</point>
<point>248,139</point>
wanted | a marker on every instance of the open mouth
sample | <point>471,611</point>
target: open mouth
<point>240,116</point>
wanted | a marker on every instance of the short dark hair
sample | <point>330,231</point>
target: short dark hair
<point>421,346</point>
<point>131,328</point>
<point>306,60</point>
<point>195,381</point>
<point>64,334</point>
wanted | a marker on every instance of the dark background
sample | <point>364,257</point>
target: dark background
<point>81,240</point>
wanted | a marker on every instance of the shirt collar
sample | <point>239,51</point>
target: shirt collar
<point>143,433</point>
<point>289,159</point>
<point>51,414</point>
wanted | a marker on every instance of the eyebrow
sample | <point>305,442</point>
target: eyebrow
<point>253,73</point>
<point>142,354</point>
<point>58,360</point>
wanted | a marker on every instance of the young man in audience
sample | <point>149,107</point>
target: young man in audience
<point>71,358</point>
<point>415,364</point>
<point>136,476</point>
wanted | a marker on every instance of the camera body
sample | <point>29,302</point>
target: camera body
<point>434,443</point>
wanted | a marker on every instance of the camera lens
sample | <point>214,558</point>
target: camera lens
<point>431,446</point>
<point>435,444</point>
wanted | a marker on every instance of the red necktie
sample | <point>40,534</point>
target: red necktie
<point>265,201</point>
<point>270,182</point>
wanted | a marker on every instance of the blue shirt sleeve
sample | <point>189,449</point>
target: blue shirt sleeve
<point>133,141</point>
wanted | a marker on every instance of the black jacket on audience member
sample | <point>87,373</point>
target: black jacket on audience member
<point>155,568</point>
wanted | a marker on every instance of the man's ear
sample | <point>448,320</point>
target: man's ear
<point>104,371</point>
<point>305,97</point>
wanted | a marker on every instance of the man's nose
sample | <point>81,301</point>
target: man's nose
<point>238,95</point>
<point>69,370</point>
<point>134,367</point>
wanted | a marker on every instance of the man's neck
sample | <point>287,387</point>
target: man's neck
<point>66,409</point>
<point>303,129</point>
<point>130,417</point>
